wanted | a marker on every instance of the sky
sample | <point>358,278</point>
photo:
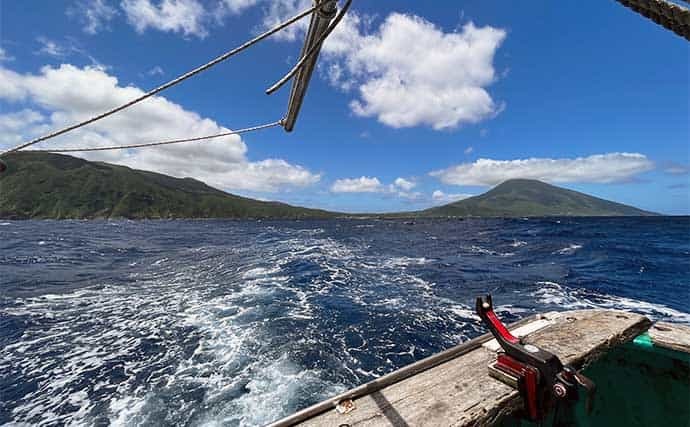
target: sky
<point>413,104</point>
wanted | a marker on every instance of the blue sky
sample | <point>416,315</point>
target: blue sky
<point>414,103</point>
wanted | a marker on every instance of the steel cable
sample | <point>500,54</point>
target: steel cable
<point>153,144</point>
<point>167,85</point>
<point>313,51</point>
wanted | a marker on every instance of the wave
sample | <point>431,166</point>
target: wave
<point>238,323</point>
<point>480,250</point>
<point>553,294</point>
<point>571,249</point>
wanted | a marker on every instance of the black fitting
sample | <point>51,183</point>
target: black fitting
<point>328,9</point>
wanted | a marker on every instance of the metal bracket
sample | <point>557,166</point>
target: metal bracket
<point>537,374</point>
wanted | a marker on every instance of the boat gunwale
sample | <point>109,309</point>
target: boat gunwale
<point>397,375</point>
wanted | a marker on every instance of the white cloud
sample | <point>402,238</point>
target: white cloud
<point>673,168</point>
<point>439,197</point>
<point>469,150</point>
<point>4,56</point>
<point>410,196</point>
<point>401,187</point>
<point>238,6</point>
<point>52,48</point>
<point>188,17</point>
<point>407,72</point>
<point>13,125</point>
<point>598,168</point>
<point>156,71</point>
<point>410,72</point>
<point>94,14</point>
<point>195,17</point>
<point>277,11</point>
<point>363,184</point>
<point>404,184</point>
<point>61,50</point>
<point>221,162</point>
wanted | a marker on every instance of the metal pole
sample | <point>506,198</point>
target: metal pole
<point>320,20</point>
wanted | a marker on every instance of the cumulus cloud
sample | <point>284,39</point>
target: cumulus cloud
<point>401,187</point>
<point>196,18</point>
<point>363,184</point>
<point>13,125</point>
<point>94,14</point>
<point>598,168</point>
<point>188,17</point>
<point>440,198</point>
<point>409,72</point>
<point>61,92</point>
<point>404,184</point>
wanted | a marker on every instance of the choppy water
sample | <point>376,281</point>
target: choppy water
<point>239,323</point>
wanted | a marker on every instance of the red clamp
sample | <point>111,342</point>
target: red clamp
<point>537,374</point>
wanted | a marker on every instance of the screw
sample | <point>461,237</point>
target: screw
<point>559,390</point>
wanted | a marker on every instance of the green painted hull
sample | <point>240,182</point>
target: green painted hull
<point>638,384</point>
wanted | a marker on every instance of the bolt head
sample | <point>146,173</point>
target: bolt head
<point>559,390</point>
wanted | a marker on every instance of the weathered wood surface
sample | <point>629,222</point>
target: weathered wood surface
<point>670,335</point>
<point>460,391</point>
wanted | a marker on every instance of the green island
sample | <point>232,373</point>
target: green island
<point>39,185</point>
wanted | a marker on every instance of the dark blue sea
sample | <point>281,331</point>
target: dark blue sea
<point>237,323</point>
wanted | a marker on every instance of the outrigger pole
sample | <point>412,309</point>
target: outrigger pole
<point>669,15</point>
<point>324,19</point>
<point>319,28</point>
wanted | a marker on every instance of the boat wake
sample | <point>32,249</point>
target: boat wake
<point>240,323</point>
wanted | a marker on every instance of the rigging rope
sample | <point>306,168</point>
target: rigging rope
<point>669,15</point>
<point>169,84</point>
<point>168,142</point>
<point>314,49</point>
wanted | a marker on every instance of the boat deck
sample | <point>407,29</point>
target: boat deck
<point>455,389</point>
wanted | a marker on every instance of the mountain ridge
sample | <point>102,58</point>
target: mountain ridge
<point>45,185</point>
<point>54,186</point>
<point>529,197</point>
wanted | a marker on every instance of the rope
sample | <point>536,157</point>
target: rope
<point>173,82</point>
<point>314,50</point>
<point>669,15</point>
<point>153,144</point>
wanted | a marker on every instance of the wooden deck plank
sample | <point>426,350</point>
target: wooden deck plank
<point>461,393</point>
<point>670,335</point>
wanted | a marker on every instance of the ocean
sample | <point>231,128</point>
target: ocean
<point>238,323</point>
